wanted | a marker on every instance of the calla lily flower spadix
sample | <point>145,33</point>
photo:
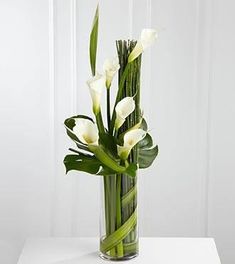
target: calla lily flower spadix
<point>96,86</point>
<point>147,38</point>
<point>115,148</point>
<point>131,138</point>
<point>111,66</point>
<point>123,109</point>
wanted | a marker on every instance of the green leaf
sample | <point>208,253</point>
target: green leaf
<point>86,163</point>
<point>93,41</point>
<point>90,164</point>
<point>109,143</point>
<point>103,156</point>
<point>146,142</point>
<point>81,162</point>
<point>147,153</point>
<point>129,196</point>
<point>117,236</point>
<point>132,169</point>
<point>144,125</point>
<point>147,156</point>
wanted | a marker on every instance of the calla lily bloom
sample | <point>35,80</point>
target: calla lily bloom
<point>86,131</point>
<point>123,109</point>
<point>147,38</point>
<point>110,68</point>
<point>131,138</point>
<point>96,85</point>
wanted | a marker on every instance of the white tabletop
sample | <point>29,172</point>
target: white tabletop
<point>152,250</point>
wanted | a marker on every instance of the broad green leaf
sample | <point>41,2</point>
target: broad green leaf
<point>90,164</point>
<point>146,152</point>
<point>81,162</point>
<point>147,156</point>
<point>146,142</point>
<point>94,40</point>
<point>109,143</point>
<point>86,163</point>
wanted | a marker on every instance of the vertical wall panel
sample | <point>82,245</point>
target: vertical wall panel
<point>87,186</point>
<point>221,214</point>
<point>172,204</point>
<point>64,106</point>
<point>25,158</point>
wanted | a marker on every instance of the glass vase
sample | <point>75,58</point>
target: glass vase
<point>119,229</point>
<point>118,223</point>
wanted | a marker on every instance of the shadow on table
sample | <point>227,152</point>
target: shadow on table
<point>89,258</point>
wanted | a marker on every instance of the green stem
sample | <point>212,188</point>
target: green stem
<point>116,237</point>
<point>100,123</point>
<point>131,247</point>
<point>122,82</point>
<point>108,108</point>
<point>119,93</point>
<point>105,158</point>
<point>112,210</point>
<point>106,202</point>
<point>129,76</point>
<point>119,214</point>
<point>122,238</point>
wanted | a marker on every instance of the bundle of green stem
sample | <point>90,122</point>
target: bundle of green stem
<point>120,190</point>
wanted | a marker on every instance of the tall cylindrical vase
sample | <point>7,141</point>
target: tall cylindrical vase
<point>119,229</point>
<point>118,223</point>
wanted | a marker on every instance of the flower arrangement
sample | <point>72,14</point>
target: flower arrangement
<point>115,151</point>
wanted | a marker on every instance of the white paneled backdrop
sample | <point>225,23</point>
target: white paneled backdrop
<point>188,87</point>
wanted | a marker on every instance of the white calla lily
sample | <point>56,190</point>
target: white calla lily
<point>131,138</point>
<point>111,66</point>
<point>147,38</point>
<point>96,85</point>
<point>86,131</point>
<point>123,109</point>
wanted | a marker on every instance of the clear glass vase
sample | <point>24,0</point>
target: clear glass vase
<point>119,229</point>
<point>118,221</point>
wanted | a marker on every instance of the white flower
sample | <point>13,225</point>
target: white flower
<point>86,131</point>
<point>110,68</point>
<point>123,109</point>
<point>131,138</point>
<point>96,85</point>
<point>147,38</point>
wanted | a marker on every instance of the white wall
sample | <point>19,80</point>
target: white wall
<point>25,141</point>
<point>188,94</point>
<point>221,162</point>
